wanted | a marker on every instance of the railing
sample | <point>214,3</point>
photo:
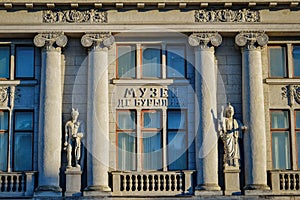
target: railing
<point>285,182</point>
<point>16,184</point>
<point>156,183</point>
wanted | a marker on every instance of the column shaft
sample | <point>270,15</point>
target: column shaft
<point>50,131</point>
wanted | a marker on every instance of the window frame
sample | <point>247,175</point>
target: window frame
<point>2,131</point>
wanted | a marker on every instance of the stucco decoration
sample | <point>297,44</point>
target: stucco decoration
<point>103,39</point>
<point>205,40</point>
<point>49,39</point>
<point>292,93</point>
<point>251,40</point>
<point>226,15</point>
<point>74,16</point>
<point>4,95</point>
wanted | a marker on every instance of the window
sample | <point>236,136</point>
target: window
<point>4,62</point>
<point>3,140</point>
<point>22,68</point>
<point>284,61</point>
<point>23,138</point>
<point>151,61</point>
<point>142,146</point>
<point>277,61</point>
<point>126,61</point>
<point>176,61</point>
<point>177,141</point>
<point>280,129</point>
<point>24,62</point>
<point>297,115</point>
<point>296,60</point>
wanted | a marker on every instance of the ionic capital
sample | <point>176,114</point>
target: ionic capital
<point>205,40</point>
<point>50,40</point>
<point>97,40</point>
<point>251,40</point>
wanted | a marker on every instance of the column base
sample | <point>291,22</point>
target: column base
<point>208,190</point>
<point>257,189</point>
<point>97,190</point>
<point>48,191</point>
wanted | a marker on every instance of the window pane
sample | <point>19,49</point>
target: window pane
<point>23,151</point>
<point>3,152</point>
<point>176,119</point>
<point>281,150</point>
<point>297,119</point>
<point>176,61</point>
<point>25,62</point>
<point>126,151</point>
<point>296,59</point>
<point>151,61</point>
<point>152,119</point>
<point>4,62</point>
<point>277,61</point>
<point>280,119</point>
<point>126,61</point>
<point>3,120</point>
<point>23,121</point>
<point>177,151</point>
<point>126,120</point>
<point>152,152</point>
<point>298,148</point>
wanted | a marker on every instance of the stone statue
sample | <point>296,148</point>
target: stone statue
<point>73,140</point>
<point>230,130</point>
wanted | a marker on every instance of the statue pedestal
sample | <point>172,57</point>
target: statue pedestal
<point>73,181</point>
<point>232,180</point>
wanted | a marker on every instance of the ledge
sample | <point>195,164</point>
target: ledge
<point>18,82</point>
<point>150,81</point>
<point>282,81</point>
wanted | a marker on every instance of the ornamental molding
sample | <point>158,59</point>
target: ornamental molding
<point>98,40</point>
<point>4,95</point>
<point>291,93</point>
<point>48,40</point>
<point>251,40</point>
<point>8,94</point>
<point>226,15</point>
<point>74,16</point>
<point>205,40</point>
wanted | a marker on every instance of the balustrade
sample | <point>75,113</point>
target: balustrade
<point>285,182</point>
<point>152,183</point>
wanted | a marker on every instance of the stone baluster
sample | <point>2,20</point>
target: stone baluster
<point>50,122</point>
<point>253,110</point>
<point>97,113</point>
<point>206,110</point>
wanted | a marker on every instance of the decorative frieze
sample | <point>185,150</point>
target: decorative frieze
<point>226,15</point>
<point>74,16</point>
<point>49,39</point>
<point>251,40</point>
<point>292,93</point>
<point>4,95</point>
<point>205,40</point>
<point>103,39</point>
<point>8,94</point>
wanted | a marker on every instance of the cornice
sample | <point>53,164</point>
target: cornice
<point>151,4</point>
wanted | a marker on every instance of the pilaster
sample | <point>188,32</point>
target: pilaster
<point>206,100</point>
<point>253,100</point>
<point>49,145</point>
<point>97,113</point>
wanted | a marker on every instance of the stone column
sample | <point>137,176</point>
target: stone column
<point>206,112</point>
<point>253,110</point>
<point>97,113</point>
<point>50,121</point>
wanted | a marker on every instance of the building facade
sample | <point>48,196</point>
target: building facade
<point>131,98</point>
